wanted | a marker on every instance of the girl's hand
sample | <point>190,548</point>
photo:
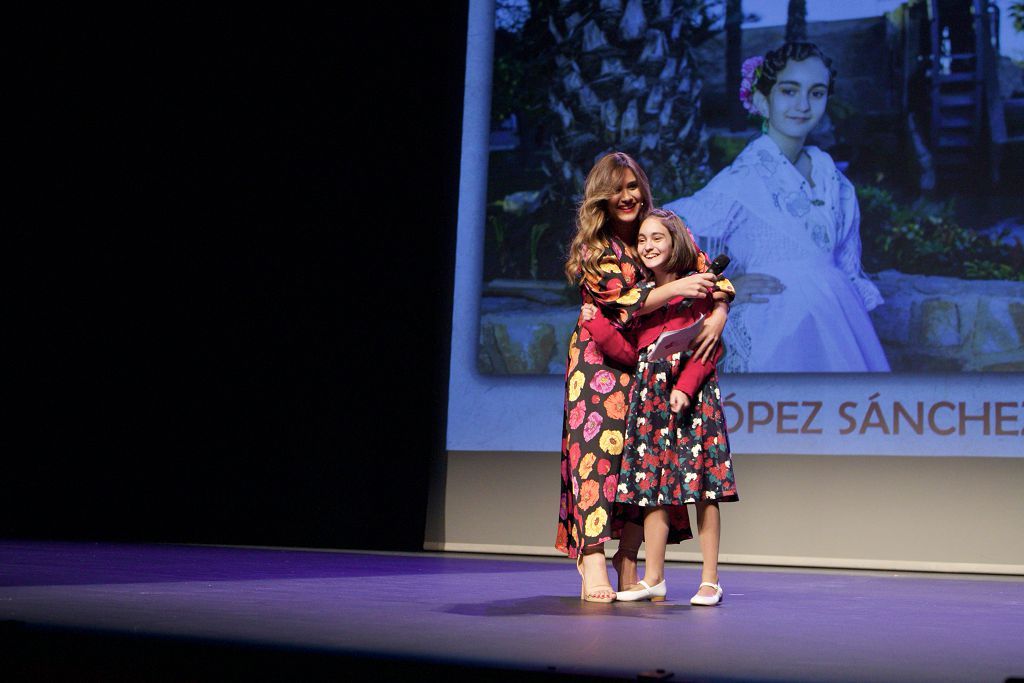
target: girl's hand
<point>588,312</point>
<point>706,341</point>
<point>752,288</point>
<point>678,401</point>
<point>694,286</point>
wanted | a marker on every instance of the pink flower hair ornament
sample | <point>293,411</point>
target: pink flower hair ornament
<point>751,71</point>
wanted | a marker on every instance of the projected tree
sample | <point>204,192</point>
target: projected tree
<point>625,79</point>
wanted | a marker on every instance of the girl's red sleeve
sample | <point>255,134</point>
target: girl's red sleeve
<point>695,372</point>
<point>612,342</point>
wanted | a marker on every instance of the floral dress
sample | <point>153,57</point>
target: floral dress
<point>595,409</point>
<point>669,458</point>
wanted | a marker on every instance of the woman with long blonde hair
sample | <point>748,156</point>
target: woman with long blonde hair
<point>602,261</point>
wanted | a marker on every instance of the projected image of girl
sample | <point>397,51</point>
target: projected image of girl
<point>786,215</point>
<point>602,261</point>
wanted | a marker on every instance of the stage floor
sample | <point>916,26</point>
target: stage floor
<point>523,614</point>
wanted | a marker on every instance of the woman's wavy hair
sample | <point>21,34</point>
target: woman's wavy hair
<point>685,255</point>
<point>776,60</point>
<point>592,217</point>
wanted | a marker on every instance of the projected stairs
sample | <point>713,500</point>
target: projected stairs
<point>968,115</point>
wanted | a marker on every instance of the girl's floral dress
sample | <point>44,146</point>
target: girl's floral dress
<point>669,458</point>
<point>674,459</point>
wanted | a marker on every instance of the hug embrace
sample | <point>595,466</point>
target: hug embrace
<point>641,437</point>
<point>645,436</point>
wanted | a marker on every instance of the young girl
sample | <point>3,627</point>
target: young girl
<point>676,447</point>
<point>789,220</point>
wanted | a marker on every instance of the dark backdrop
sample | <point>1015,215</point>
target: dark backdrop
<point>232,270</point>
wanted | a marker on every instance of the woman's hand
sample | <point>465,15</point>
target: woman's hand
<point>706,341</point>
<point>588,312</point>
<point>694,286</point>
<point>752,288</point>
<point>678,400</point>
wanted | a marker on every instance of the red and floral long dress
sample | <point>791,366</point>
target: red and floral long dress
<point>596,402</point>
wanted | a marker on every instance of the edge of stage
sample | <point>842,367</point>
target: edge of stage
<point>164,612</point>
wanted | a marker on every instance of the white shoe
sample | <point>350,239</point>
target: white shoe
<point>707,600</point>
<point>654,593</point>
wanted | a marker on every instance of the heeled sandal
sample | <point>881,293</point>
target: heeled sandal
<point>588,596</point>
<point>707,600</point>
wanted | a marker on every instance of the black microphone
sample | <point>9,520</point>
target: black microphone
<point>719,264</point>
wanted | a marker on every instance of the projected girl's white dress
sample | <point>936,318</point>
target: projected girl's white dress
<point>763,213</point>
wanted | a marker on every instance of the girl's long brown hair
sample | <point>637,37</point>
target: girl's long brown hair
<point>593,216</point>
<point>686,257</point>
